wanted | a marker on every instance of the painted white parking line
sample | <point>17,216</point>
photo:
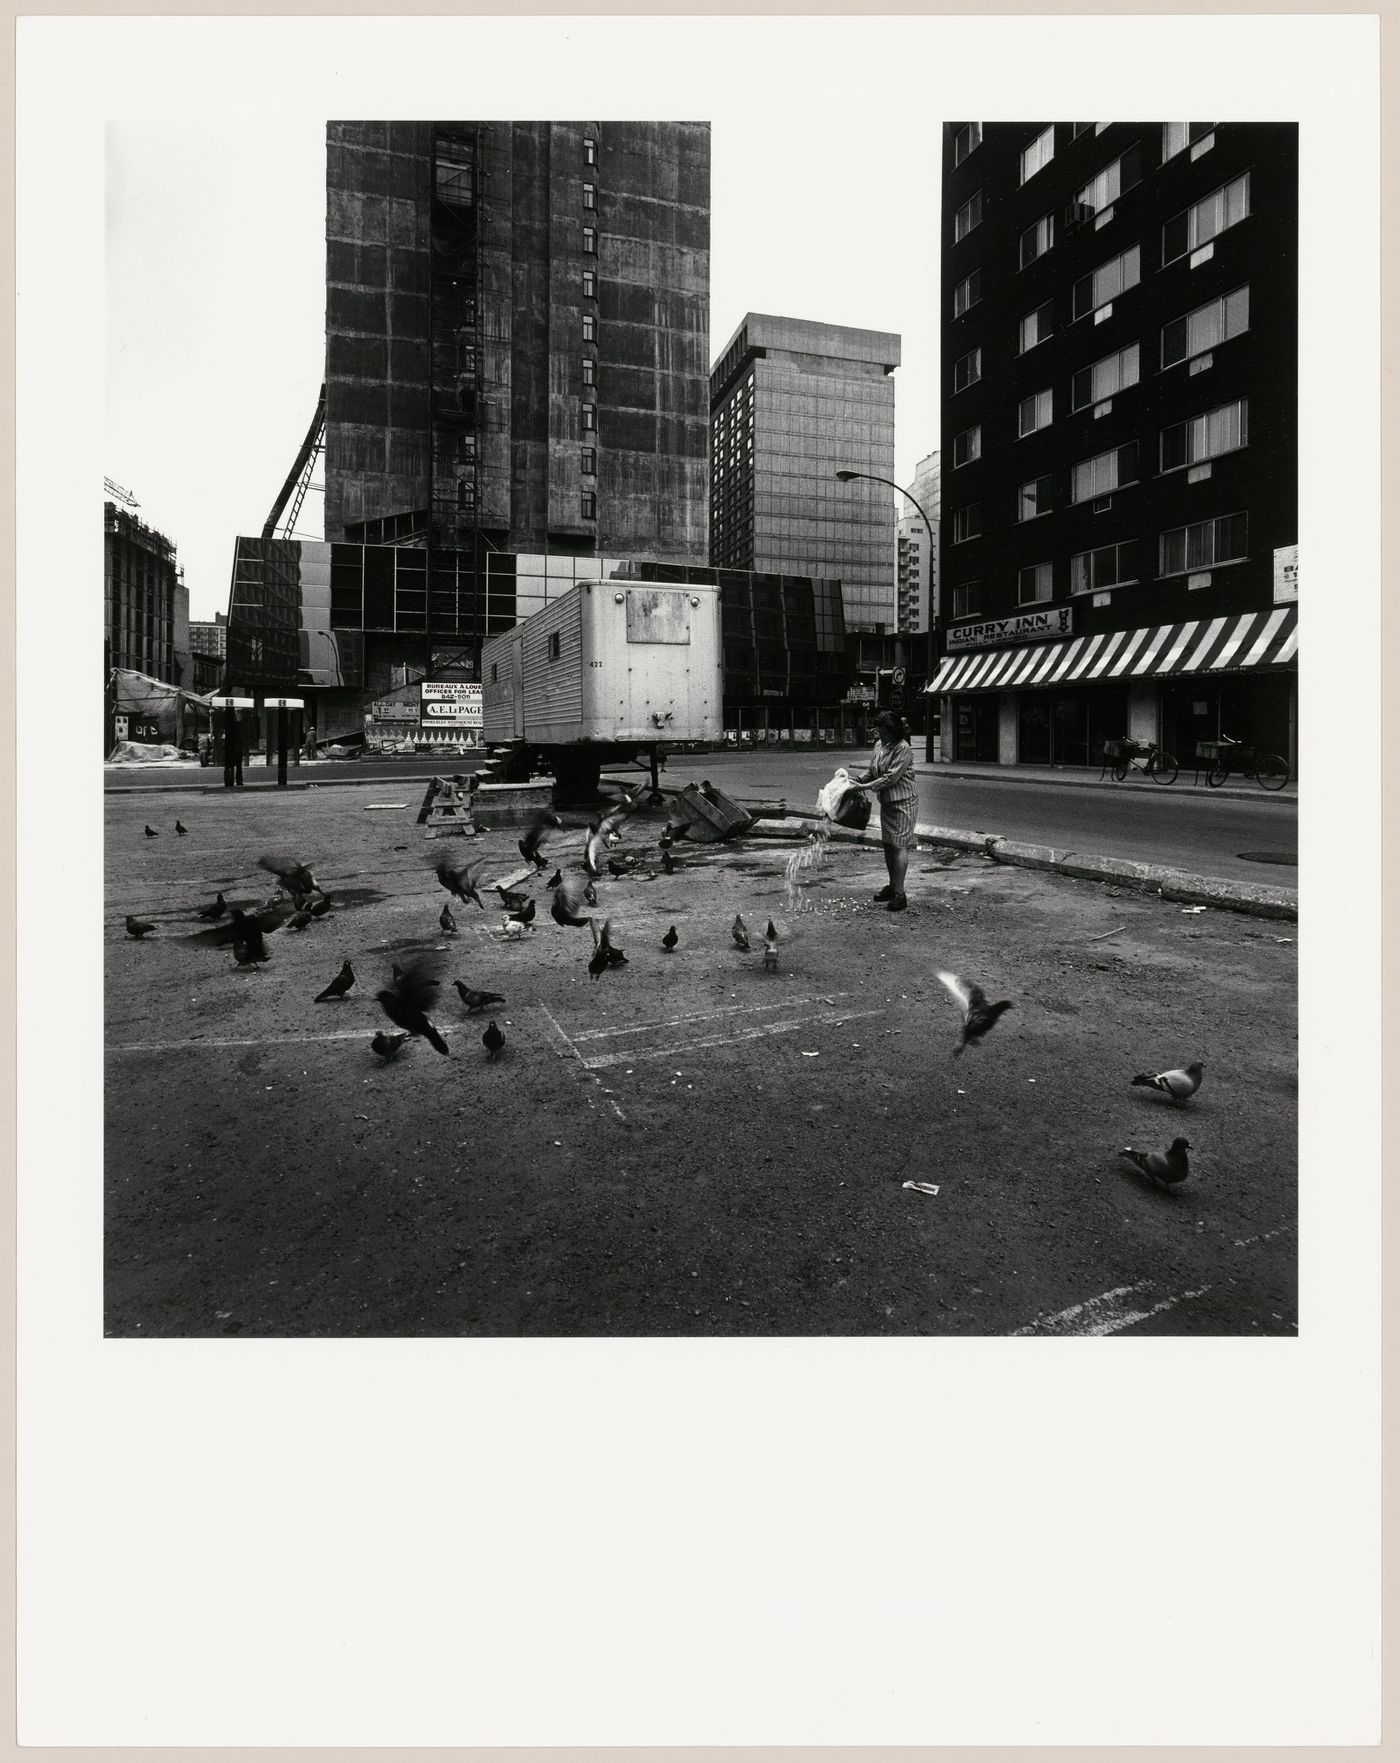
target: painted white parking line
<point>340,1034</point>
<point>642,1028</point>
<point>573,1050</point>
<point>750,1032</point>
<point>1109,1313</point>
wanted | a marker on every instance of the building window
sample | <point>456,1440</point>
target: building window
<point>1036,327</point>
<point>555,645</point>
<point>588,462</point>
<point>1177,136</point>
<point>1215,322</point>
<point>590,195</point>
<point>590,371</point>
<point>1033,498</point>
<point>967,522</point>
<point>967,137</point>
<point>1109,566</point>
<point>588,505</point>
<point>1037,239</point>
<point>1040,152</point>
<point>466,449</point>
<point>590,416</point>
<point>590,150</point>
<point>967,599</point>
<point>1208,542</point>
<point>495,673</point>
<point>1110,374</point>
<point>968,216</point>
<point>967,293</point>
<point>1034,584</point>
<point>1104,472</point>
<point>968,445</point>
<point>1199,223</point>
<point>967,370</point>
<point>1112,181</point>
<point>590,328</point>
<point>590,285</point>
<point>590,239</point>
<point>1107,282</point>
<point>1035,412</point>
<point>1206,437</point>
<point>466,493</point>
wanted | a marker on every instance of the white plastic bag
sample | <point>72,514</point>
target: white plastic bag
<point>830,796</point>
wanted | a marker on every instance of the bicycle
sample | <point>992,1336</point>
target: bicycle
<point>1268,770</point>
<point>1121,757</point>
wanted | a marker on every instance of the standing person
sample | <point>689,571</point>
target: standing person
<point>891,777</point>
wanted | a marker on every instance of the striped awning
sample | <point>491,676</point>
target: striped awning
<point>1214,645</point>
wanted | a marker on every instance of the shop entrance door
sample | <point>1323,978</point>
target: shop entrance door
<point>1070,731</point>
<point>975,729</point>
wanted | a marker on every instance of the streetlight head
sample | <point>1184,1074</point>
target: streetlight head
<point>846,476</point>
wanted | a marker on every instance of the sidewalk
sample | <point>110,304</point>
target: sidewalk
<point>1087,777</point>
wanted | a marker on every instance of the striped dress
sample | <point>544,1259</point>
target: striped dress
<point>891,775</point>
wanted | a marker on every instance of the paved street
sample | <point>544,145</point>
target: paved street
<point>689,1145</point>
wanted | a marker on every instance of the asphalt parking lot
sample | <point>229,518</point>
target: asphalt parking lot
<point>689,1144</point>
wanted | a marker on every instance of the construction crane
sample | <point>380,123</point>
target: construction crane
<point>115,489</point>
<point>299,477</point>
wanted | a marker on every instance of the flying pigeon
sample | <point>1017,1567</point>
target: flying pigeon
<point>215,912</point>
<point>340,985</point>
<point>529,845</point>
<point>182,830</point>
<point>248,945</point>
<point>475,1001</point>
<point>406,1002</point>
<point>464,882</point>
<point>669,941</point>
<point>1178,1084</point>
<point>568,897</point>
<point>1164,1169</point>
<point>978,1015</point>
<point>151,833</point>
<point>740,931</point>
<point>294,876</point>
<point>446,920</point>
<point>386,1045</point>
<point>138,927</point>
<point>493,1040</point>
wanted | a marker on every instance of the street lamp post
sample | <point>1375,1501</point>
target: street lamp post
<point>935,643</point>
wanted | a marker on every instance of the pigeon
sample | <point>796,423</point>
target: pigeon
<point>340,985</point>
<point>1165,1169</point>
<point>669,941</point>
<point>396,973</point>
<point>1177,1084</point>
<point>248,945</point>
<point>151,833</point>
<point>475,1001</point>
<point>138,927</point>
<point>593,848</point>
<point>182,830</point>
<point>525,915</point>
<point>464,882</point>
<point>598,961</point>
<point>511,900</point>
<point>493,1040</point>
<point>299,920</point>
<point>320,904</point>
<point>568,897</point>
<point>740,932</point>
<point>529,845</point>
<point>406,1002</point>
<point>387,1046</point>
<point>212,914</point>
<point>294,876</point>
<point>604,945</point>
<point>668,862</point>
<point>770,947</point>
<point>446,920</point>
<point>555,879</point>
<point>607,830</point>
<point>978,1015</point>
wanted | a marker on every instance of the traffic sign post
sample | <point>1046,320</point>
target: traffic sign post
<point>282,706</point>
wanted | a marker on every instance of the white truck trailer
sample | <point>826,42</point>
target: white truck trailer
<point>609,673</point>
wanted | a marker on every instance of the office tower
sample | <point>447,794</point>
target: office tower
<point>1119,421</point>
<point>146,602</point>
<point>791,403</point>
<point>918,549</point>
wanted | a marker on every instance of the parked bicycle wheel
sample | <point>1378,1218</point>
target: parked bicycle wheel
<point>1120,769</point>
<point>1271,771</point>
<point>1164,767</point>
<point>1218,772</point>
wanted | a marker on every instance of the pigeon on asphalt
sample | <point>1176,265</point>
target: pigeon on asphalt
<point>493,1040</point>
<point>320,904</point>
<point>463,882</point>
<point>669,941</point>
<point>248,945</point>
<point>182,830</point>
<point>212,914</point>
<point>568,897</point>
<point>138,927</point>
<point>340,985</point>
<point>151,833</point>
<point>299,920</point>
<point>770,947</point>
<point>406,1002</point>
<point>294,875</point>
<point>511,899</point>
<point>668,862</point>
<point>598,961</point>
<point>740,931</point>
<point>1164,1169</point>
<point>524,914</point>
<point>978,1015</point>
<point>1177,1084</point>
<point>617,870</point>
<point>529,846</point>
<point>615,956</point>
<point>475,1001</point>
<point>387,1046</point>
<point>555,879</point>
<point>446,920</point>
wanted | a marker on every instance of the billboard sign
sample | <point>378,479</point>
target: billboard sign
<point>451,704</point>
<point>1030,627</point>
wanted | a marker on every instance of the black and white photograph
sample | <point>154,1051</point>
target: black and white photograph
<point>707,764</point>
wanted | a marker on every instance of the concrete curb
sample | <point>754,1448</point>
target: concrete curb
<point>1254,898</point>
<point>1011,774</point>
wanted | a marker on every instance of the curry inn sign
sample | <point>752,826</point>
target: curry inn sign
<point>1030,627</point>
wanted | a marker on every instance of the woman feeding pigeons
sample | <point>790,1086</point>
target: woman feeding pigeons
<point>891,777</point>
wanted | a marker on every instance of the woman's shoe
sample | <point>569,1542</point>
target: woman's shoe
<point>885,893</point>
<point>897,904</point>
